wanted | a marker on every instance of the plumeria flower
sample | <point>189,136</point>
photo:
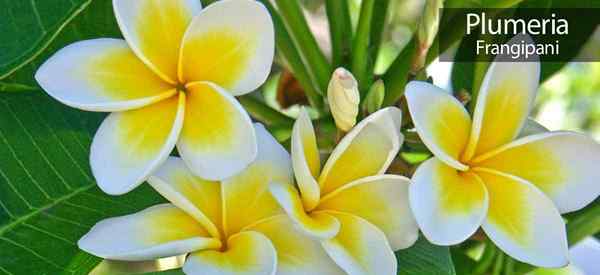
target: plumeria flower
<point>228,227</point>
<point>171,82</point>
<point>360,215</point>
<point>483,174</point>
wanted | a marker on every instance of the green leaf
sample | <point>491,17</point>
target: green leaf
<point>20,56</point>
<point>424,258</point>
<point>48,198</point>
<point>340,31</point>
<point>314,59</point>
<point>396,76</point>
<point>29,26</point>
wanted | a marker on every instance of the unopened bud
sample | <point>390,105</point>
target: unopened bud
<point>344,98</point>
<point>426,32</point>
<point>430,21</point>
<point>375,96</point>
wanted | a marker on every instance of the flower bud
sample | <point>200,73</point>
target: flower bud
<point>374,98</point>
<point>344,98</point>
<point>426,32</point>
<point>430,20</point>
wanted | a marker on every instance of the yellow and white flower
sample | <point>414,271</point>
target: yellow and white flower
<point>360,215</point>
<point>484,174</point>
<point>229,227</point>
<point>171,82</point>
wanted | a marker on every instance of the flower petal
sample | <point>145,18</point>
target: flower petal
<point>230,43</point>
<point>561,164</point>
<point>248,253</point>
<point>523,222</point>
<point>441,120</point>
<point>382,201</point>
<point>306,160</point>
<point>199,198</point>
<point>144,236</point>
<point>217,140</point>
<point>154,30</point>
<point>130,145</point>
<point>318,225</point>
<point>504,102</point>
<point>377,136</point>
<point>449,205</point>
<point>297,254</point>
<point>246,195</point>
<point>360,248</point>
<point>101,75</point>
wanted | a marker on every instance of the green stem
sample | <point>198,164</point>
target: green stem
<point>263,113</point>
<point>380,11</point>
<point>584,223</point>
<point>396,76</point>
<point>498,264</point>
<point>318,67</point>
<point>340,31</point>
<point>360,46</point>
<point>289,52</point>
<point>486,259</point>
<point>509,268</point>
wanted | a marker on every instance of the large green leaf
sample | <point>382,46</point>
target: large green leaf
<point>48,198</point>
<point>424,258</point>
<point>68,21</point>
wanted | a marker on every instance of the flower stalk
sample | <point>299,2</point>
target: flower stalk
<point>317,65</point>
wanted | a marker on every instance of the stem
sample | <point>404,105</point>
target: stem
<point>289,52</point>
<point>264,113</point>
<point>380,12</point>
<point>360,46</point>
<point>396,76</point>
<point>509,266</point>
<point>498,264</point>
<point>312,56</point>
<point>585,222</point>
<point>486,259</point>
<point>340,30</point>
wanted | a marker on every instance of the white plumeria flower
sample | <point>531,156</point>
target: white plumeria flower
<point>360,215</point>
<point>229,227</point>
<point>172,81</point>
<point>481,176</point>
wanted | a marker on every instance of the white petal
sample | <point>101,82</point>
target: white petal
<point>441,120</point>
<point>561,164</point>
<point>360,248</point>
<point>144,236</point>
<point>306,160</point>
<point>449,205</point>
<point>130,145</point>
<point>101,75</point>
<point>246,197</point>
<point>523,222</point>
<point>230,43</point>
<point>199,198</point>
<point>297,253</point>
<point>248,253</point>
<point>504,102</point>
<point>381,200</point>
<point>217,140</point>
<point>154,30</point>
<point>367,150</point>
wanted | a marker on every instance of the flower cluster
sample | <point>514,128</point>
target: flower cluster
<point>239,203</point>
